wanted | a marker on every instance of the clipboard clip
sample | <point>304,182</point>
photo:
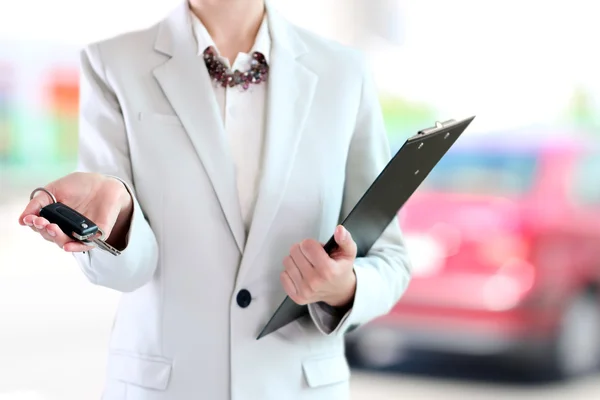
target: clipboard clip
<point>438,126</point>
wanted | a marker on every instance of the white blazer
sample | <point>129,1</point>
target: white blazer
<point>148,117</point>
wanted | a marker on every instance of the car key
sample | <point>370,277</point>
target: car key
<point>74,225</point>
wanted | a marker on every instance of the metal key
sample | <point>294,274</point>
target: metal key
<point>73,224</point>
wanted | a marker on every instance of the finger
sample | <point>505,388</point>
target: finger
<point>288,283</point>
<point>315,254</point>
<point>290,289</point>
<point>34,206</point>
<point>346,245</point>
<point>52,233</point>
<point>40,223</point>
<point>28,220</point>
<point>36,230</point>
<point>302,288</point>
<point>307,270</point>
<point>58,236</point>
<point>293,272</point>
<point>341,235</point>
<point>77,247</point>
<point>45,235</point>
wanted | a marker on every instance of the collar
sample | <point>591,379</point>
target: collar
<point>262,43</point>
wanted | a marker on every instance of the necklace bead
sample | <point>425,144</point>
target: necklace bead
<point>223,76</point>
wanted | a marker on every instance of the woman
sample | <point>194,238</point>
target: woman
<point>218,148</point>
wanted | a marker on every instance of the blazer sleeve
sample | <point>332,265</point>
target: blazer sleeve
<point>103,148</point>
<point>383,275</point>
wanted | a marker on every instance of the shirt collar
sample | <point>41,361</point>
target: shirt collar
<point>262,43</point>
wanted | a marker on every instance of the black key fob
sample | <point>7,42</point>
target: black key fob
<point>73,224</point>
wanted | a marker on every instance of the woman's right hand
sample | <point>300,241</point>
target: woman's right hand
<point>104,200</point>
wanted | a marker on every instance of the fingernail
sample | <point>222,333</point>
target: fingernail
<point>27,223</point>
<point>343,232</point>
<point>38,226</point>
<point>51,233</point>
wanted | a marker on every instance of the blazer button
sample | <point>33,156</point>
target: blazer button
<point>244,298</point>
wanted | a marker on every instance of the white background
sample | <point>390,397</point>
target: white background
<point>511,62</point>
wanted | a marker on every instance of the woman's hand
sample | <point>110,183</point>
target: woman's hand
<point>311,275</point>
<point>104,200</point>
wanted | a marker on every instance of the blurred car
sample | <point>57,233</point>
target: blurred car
<point>504,236</point>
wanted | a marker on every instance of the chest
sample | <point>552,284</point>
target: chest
<point>244,122</point>
<point>288,147</point>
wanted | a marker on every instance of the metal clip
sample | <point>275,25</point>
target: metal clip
<point>438,125</point>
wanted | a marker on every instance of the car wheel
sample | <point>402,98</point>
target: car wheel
<point>375,349</point>
<point>578,345</point>
<point>575,351</point>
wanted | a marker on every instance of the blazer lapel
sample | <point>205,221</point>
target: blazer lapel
<point>291,88</point>
<point>185,82</point>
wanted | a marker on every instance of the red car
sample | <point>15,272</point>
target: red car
<point>504,236</point>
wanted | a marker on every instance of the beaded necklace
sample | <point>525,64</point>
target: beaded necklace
<point>220,73</point>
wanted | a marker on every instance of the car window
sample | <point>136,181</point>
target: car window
<point>487,172</point>
<point>586,180</point>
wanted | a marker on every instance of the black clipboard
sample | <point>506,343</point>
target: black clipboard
<point>382,201</point>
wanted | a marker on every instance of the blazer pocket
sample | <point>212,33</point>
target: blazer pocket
<point>149,372</point>
<point>169,119</point>
<point>326,370</point>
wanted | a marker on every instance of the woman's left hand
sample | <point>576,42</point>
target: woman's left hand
<point>311,275</point>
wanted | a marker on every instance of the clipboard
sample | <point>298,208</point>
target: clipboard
<point>383,200</point>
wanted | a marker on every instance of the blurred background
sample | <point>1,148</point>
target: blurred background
<point>504,233</point>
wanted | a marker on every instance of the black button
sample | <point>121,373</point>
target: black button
<point>244,298</point>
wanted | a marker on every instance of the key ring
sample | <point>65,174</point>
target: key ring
<point>41,189</point>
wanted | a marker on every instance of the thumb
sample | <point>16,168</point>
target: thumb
<point>343,238</point>
<point>39,201</point>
